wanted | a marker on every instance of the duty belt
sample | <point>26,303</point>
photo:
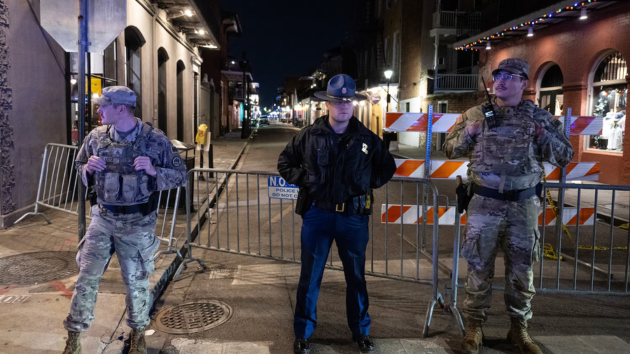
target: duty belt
<point>512,196</point>
<point>357,205</point>
<point>143,209</point>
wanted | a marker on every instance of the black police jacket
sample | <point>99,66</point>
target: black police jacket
<point>333,167</point>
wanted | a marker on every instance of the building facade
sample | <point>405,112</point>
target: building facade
<point>578,63</point>
<point>156,55</point>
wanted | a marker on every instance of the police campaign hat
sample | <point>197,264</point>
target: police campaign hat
<point>340,88</point>
<point>116,95</point>
<point>514,66</point>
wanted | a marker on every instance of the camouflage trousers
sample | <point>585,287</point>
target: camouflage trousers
<point>132,237</point>
<point>512,226</point>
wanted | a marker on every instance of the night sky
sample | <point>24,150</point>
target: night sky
<point>287,37</point>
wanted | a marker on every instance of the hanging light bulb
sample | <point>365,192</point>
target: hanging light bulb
<point>530,31</point>
<point>583,15</point>
<point>488,47</point>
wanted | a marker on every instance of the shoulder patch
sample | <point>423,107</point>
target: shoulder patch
<point>177,161</point>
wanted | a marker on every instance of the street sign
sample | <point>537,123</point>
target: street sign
<point>280,189</point>
<point>106,20</point>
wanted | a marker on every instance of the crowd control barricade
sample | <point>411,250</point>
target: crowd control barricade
<point>59,186</point>
<point>253,213</point>
<point>58,181</point>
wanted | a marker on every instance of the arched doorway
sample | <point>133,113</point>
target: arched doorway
<point>608,100</point>
<point>134,40</point>
<point>162,113</point>
<point>180,100</point>
<point>550,92</point>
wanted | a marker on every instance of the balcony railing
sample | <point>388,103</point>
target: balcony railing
<point>445,19</point>
<point>457,82</point>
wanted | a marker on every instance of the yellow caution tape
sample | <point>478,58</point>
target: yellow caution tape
<point>549,252</point>
<point>624,227</point>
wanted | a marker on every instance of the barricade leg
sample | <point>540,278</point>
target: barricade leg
<point>190,258</point>
<point>170,249</point>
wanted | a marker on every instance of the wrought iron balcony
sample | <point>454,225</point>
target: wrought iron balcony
<point>445,19</point>
<point>455,82</point>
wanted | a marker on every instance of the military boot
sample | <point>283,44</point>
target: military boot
<point>518,335</point>
<point>137,345</point>
<point>473,338</point>
<point>73,343</point>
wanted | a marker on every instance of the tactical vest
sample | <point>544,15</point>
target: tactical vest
<point>507,150</point>
<point>120,183</point>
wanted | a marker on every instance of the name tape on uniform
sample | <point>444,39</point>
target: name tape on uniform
<point>412,214</point>
<point>444,123</point>
<point>281,189</point>
<point>450,169</point>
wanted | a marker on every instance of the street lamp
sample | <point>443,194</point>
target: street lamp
<point>388,76</point>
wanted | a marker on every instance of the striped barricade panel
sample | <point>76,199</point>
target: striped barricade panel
<point>444,123</point>
<point>412,214</point>
<point>449,169</point>
<point>585,125</point>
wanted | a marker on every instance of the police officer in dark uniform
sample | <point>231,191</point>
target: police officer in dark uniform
<point>336,162</point>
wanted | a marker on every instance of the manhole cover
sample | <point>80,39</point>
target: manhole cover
<point>193,317</point>
<point>37,267</point>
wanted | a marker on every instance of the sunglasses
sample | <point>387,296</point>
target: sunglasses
<point>505,77</point>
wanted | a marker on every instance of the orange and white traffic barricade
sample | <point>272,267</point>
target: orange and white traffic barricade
<point>411,215</point>
<point>444,123</point>
<point>585,125</point>
<point>450,169</point>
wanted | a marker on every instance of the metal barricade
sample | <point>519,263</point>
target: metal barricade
<point>58,189</point>
<point>596,258</point>
<point>240,217</point>
<point>52,193</point>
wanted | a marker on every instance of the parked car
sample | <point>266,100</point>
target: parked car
<point>264,120</point>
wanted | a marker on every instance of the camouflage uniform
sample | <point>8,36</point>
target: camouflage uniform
<point>505,158</point>
<point>131,236</point>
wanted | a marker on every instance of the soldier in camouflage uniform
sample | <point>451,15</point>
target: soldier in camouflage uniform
<point>505,167</point>
<point>124,161</point>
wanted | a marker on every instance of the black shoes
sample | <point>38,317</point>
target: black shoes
<point>301,346</point>
<point>365,343</point>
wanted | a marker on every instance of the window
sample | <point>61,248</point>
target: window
<point>133,64</point>
<point>408,107</point>
<point>162,58</point>
<point>609,96</point>
<point>551,94</point>
<point>101,73</point>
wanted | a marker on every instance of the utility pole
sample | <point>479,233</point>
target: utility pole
<point>83,44</point>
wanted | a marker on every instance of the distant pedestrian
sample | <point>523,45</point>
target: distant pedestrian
<point>336,162</point>
<point>507,140</point>
<point>125,162</point>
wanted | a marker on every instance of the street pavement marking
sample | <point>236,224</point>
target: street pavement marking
<point>192,346</point>
<point>13,299</point>
<point>584,344</point>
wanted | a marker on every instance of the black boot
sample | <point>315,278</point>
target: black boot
<point>365,343</point>
<point>301,346</point>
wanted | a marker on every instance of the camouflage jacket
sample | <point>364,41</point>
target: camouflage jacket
<point>510,156</point>
<point>120,184</point>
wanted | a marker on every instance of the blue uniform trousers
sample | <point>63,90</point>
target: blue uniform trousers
<point>319,228</point>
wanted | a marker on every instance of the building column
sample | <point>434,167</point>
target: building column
<point>625,170</point>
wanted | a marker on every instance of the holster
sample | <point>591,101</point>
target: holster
<point>362,205</point>
<point>303,203</point>
<point>464,195</point>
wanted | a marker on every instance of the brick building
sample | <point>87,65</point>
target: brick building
<point>575,62</point>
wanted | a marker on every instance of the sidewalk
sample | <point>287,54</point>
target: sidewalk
<point>38,271</point>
